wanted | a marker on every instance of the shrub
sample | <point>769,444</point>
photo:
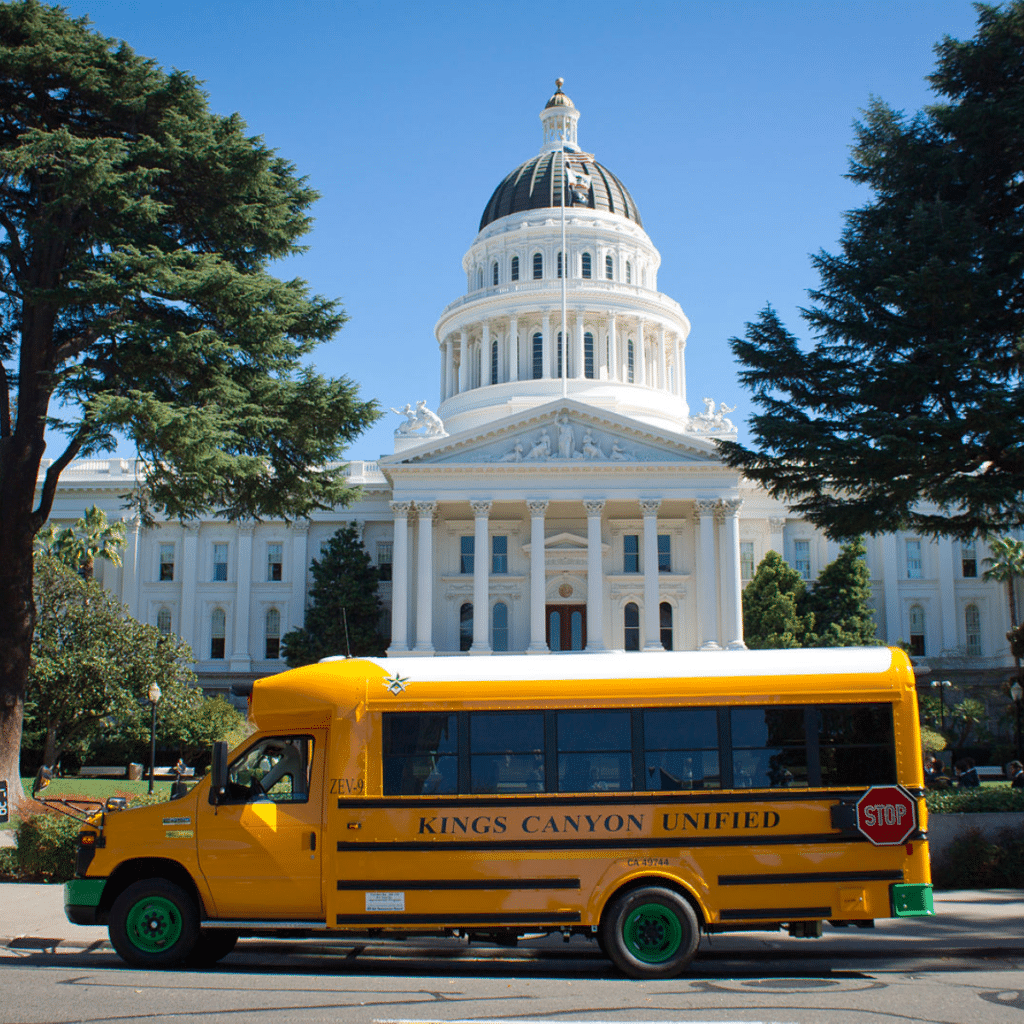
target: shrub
<point>974,862</point>
<point>974,801</point>
<point>46,846</point>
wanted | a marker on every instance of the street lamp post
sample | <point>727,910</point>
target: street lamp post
<point>154,699</point>
<point>943,685</point>
<point>1016,692</point>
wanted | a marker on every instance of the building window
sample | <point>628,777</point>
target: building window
<point>664,552</point>
<point>499,555</point>
<point>665,613</point>
<point>631,552</point>
<point>913,560</point>
<point>538,266</point>
<point>499,627</point>
<point>384,559</point>
<point>163,620</point>
<point>629,272</point>
<point>746,560</point>
<point>968,559</point>
<point>166,563</point>
<point>802,558</point>
<point>274,562</point>
<point>494,273</point>
<point>972,622</point>
<point>494,362</point>
<point>538,356</point>
<point>466,555</point>
<point>630,365</point>
<point>515,268</point>
<point>631,627</point>
<point>609,268</point>
<point>272,644</point>
<point>585,261</point>
<point>558,356</point>
<point>220,563</point>
<point>559,274</point>
<point>466,626</point>
<point>588,355</point>
<point>218,622</point>
<point>917,631</point>
<point>479,277</point>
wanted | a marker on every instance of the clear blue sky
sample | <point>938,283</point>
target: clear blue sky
<point>730,123</point>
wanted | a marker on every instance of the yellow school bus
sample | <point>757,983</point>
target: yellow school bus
<point>639,800</point>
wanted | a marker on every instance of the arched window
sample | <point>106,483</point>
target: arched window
<point>559,265</point>
<point>272,634</point>
<point>629,272</point>
<point>499,627</point>
<point>630,373</point>
<point>585,262</point>
<point>494,272</point>
<point>494,362</point>
<point>538,356</point>
<point>479,277</point>
<point>972,622</point>
<point>515,268</point>
<point>465,627</point>
<point>218,624</point>
<point>917,645</point>
<point>163,620</point>
<point>588,356</point>
<point>609,268</point>
<point>538,266</point>
<point>666,625</point>
<point>558,356</point>
<point>631,632</point>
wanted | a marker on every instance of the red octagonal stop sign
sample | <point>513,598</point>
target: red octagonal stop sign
<point>887,815</point>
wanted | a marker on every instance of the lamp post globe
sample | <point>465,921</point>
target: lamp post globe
<point>154,699</point>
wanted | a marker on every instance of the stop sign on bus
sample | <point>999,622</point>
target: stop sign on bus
<point>887,815</point>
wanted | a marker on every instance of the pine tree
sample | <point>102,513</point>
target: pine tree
<point>841,601</point>
<point>774,606</point>
<point>344,615</point>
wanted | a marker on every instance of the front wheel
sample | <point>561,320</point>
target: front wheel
<point>650,933</point>
<point>154,923</point>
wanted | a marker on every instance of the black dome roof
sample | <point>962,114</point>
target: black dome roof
<point>532,186</point>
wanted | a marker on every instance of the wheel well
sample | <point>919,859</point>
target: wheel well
<point>147,867</point>
<point>662,883</point>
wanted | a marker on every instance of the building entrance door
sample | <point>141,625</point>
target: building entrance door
<point>567,627</point>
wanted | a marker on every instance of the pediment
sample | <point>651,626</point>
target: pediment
<point>562,433</point>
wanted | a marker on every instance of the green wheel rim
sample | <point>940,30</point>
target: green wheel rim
<point>652,933</point>
<point>153,924</point>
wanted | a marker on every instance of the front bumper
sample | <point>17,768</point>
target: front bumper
<point>82,897</point>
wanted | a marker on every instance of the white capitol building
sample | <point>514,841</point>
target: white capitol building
<point>538,509</point>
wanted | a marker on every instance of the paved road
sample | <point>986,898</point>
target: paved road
<point>962,966</point>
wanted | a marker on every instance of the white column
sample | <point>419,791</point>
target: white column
<point>241,659</point>
<point>538,642</point>
<point>400,579</point>
<point>546,346</point>
<point>425,578</point>
<point>613,349</point>
<point>641,352</point>
<point>485,354</point>
<point>677,360</point>
<point>707,611</point>
<point>131,564</point>
<point>776,534</point>
<point>300,559</point>
<point>947,595</point>
<point>449,366</point>
<point>731,585</point>
<point>652,598</point>
<point>463,361</point>
<point>481,574</point>
<point>513,350</point>
<point>595,575</point>
<point>577,370</point>
<point>662,359</point>
<point>189,580</point>
<point>890,587</point>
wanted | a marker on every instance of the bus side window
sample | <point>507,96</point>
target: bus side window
<point>856,744</point>
<point>594,751</point>
<point>276,768</point>
<point>420,753</point>
<point>681,749</point>
<point>769,747</point>
<point>506,752</point>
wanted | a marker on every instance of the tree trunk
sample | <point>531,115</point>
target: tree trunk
<point>50,751</point>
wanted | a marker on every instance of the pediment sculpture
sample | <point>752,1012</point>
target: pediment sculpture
<point>564,448</point>
<point>712,420</point>
<point>419,422</point>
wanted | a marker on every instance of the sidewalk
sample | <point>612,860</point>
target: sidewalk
<point>33,915</point>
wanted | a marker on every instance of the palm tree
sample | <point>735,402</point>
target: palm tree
<point>78,546</point>
<point>1005,566</point>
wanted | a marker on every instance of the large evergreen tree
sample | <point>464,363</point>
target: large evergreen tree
<point>908,409</point>
<point>775,610</point>
<point>841,601</point>
<point>136,232</point>
<point>344,614</point>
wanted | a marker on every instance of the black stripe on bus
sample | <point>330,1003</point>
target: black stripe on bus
<point>665,796</point>
<point>636,843</point>
<point>377,884</point>
<point>812,876</point>
<point>458,919</point>
<point>775,914</point>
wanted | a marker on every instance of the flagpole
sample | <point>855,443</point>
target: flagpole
<point>565,271</point>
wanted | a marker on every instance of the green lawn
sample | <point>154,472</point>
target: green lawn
<point>97,789</point>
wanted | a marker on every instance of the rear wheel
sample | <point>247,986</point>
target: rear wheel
<point>650,933</point>
<point>212,945</point>
<point>154,923</point>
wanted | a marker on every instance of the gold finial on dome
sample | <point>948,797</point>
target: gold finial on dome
<point>559,82</point>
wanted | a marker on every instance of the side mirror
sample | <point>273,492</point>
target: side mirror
<point>219,772</point>
<point>116,803</point>
<point>43,777</point>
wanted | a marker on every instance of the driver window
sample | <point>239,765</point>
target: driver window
<point>276,768</point>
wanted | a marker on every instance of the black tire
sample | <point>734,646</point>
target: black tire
<point>650,933</point>
<point>154,923</point>
<point>212,946</point>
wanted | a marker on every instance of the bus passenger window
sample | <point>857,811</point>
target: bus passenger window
<point>276,769</point>
<point>681,749</point>
<point>506,752</point>
<point>856,744</point>
<point>769,747</point>
<point>420,754</point>
<point>594,751</point>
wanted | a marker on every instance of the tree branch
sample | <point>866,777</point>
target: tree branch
<point>18,262</point>
<point>42,512</point>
